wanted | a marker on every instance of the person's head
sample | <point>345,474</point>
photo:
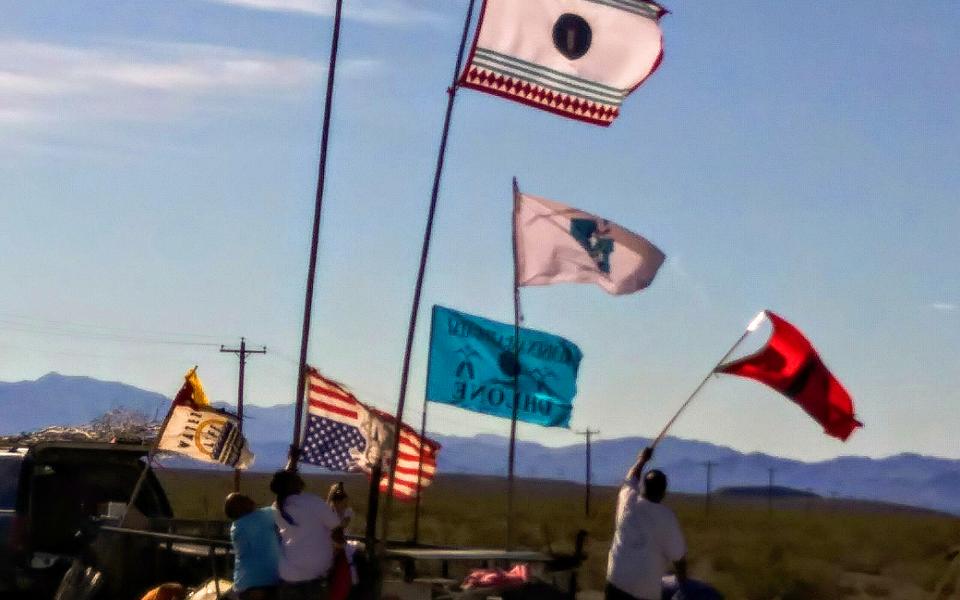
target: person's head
<point>237,505</point>
<point>286,483</point>
<point>654,485</point>
<point>337,496</point>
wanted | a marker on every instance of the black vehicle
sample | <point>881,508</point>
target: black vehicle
<point>49,491</point>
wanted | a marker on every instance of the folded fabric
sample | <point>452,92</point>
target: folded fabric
<point>518,575</point>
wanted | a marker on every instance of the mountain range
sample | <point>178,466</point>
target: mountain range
<point>909,479</point>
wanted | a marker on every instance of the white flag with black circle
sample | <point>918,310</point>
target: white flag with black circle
<point>577,58</point>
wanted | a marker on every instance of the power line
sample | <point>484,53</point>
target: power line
<point>98,336</point>
<point>28,320</point>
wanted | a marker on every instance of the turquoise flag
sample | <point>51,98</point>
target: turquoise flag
<point>472,365</point>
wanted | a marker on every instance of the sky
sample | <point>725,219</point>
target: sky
<point>158,165</point>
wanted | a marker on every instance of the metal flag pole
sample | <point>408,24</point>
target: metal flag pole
<point>424,252</point>
<point>423,436</point>
<point>512,452</point>
<point>294,452</point>
<point>242,353</point>
<point>754,324</point>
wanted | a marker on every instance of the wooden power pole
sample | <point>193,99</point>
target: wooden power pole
<point>589,433</point>
<point>242,353</point>
<point>770,472</point>
<point>706,500</point>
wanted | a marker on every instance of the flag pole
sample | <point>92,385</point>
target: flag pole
<point>512,452</point>
<point>754,324</point>
<point>149,459</point>
<point>423,436</point>
<point>294,452</point>
<point>424,252</point>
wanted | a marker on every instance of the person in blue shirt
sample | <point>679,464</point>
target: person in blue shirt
<point>256,548</point>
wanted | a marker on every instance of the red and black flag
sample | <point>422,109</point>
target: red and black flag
<point>789,364</point>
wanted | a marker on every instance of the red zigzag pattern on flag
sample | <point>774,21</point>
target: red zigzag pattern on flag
<point>531,93</point>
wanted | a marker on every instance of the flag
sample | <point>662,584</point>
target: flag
<point>576,58</point>
<point>556,244</point>
<point>343,434</point>
<point>472,366</point>
<point>789,364</point>
<point>191,393</point>
<point>207,435</point>
<point>196,430</point>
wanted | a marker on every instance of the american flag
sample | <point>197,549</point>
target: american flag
<point>343,434</point>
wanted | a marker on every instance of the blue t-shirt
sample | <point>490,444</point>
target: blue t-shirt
<point>257,550</point>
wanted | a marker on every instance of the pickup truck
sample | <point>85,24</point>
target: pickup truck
<point>49,491</point>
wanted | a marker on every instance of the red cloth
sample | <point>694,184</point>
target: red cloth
<point>340,579</point>
<point>790,365</point>
<point>497,577</point>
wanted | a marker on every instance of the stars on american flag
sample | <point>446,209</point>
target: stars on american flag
<point>328,443</point>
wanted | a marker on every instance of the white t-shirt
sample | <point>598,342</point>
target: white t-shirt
<point>306,549</point>
<point>647,539</point>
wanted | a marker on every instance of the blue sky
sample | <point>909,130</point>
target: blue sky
<point>158,163</point>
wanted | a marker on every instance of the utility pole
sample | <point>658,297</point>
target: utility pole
<point>706,501</point>
<point>770,472</point>
<point>242,353</point>
<point>589,433</point>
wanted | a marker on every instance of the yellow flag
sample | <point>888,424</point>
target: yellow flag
<point>199,396</point>
<point>192,391</point>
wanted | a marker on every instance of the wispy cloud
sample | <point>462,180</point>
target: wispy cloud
<point>381,12</point>
<point>948,307</point>
<point>49,85</point>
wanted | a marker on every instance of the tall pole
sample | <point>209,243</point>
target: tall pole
<point>423,436</point>
<point>706,502</point>
<point>424,253</point>
<point>588,478</point>
<point>242,353</point>
<point>294,452</point>
<point>512,452</point>
<point>754,324</point>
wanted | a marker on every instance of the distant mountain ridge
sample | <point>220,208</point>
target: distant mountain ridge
<point>909,479</point>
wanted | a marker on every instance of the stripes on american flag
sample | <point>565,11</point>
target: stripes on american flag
<point>334,430</point>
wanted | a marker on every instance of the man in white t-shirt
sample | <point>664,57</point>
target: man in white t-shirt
<point>647,537</point>
<point>308,527</point>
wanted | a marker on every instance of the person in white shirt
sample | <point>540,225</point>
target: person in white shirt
<point>647,537</point>
<point>308,528</point>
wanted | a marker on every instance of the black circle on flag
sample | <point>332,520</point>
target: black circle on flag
<point>508,363</point>
<point>572,35</point>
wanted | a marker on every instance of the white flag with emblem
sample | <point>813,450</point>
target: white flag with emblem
<point>559,244</point>
<point>576,58</point>
<point>205,434</point>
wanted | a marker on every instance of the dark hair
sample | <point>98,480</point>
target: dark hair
<point>285,484</point>
<point>654,485</point>
<point>336,492</point>
<point>237,505</point>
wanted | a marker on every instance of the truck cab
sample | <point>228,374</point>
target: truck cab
<point>49,491</point>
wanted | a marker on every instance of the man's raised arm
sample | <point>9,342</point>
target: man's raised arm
<point>633,475</point>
